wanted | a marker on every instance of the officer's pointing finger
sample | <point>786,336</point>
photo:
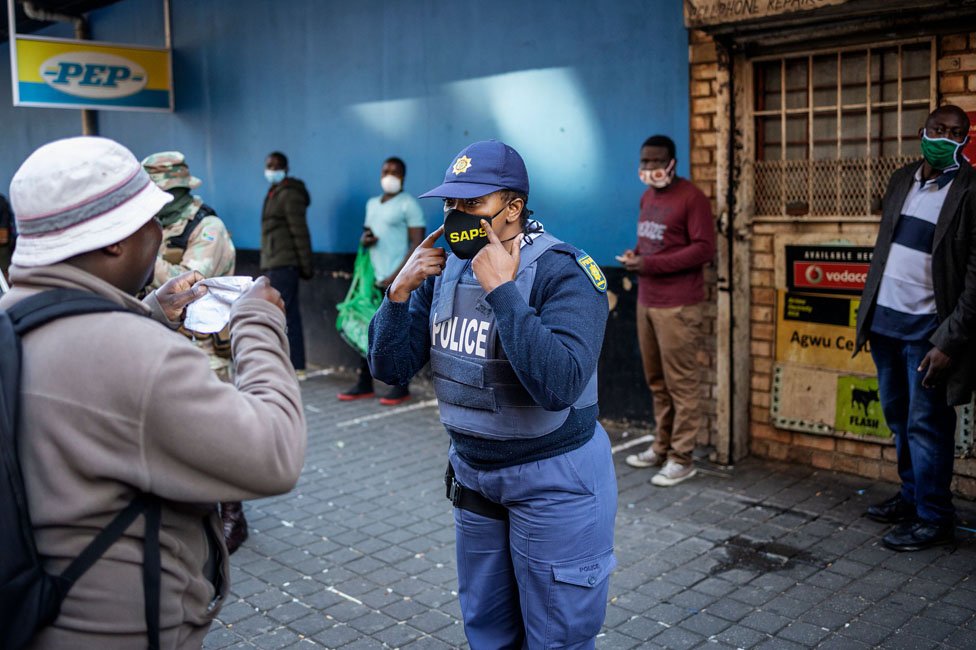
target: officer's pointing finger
<point>431,238</point>
<point>492,237</point>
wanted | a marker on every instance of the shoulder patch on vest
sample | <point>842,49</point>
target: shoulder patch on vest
<point>592,271</point>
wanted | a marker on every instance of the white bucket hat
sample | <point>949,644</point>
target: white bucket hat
<point>77,195</point>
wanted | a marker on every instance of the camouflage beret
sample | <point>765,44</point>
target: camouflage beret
<point>168,170</point>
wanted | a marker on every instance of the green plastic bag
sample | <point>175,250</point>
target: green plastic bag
<point>362,301</point>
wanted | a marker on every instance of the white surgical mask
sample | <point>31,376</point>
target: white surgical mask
<point>391,184</point>
<point>274,176</point>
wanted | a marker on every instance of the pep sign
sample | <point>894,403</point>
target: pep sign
<point>93,74</point>
<point>62,73</point>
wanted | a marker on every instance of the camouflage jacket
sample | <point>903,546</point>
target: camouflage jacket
<point>209,249</point>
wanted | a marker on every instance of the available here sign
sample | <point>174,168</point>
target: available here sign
<point>827,269</point>
<point>62,73</point>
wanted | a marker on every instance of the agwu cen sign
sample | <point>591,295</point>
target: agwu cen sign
<point>827,269</point>
<point>62,73</point>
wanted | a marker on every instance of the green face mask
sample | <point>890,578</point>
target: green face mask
<point>941,153</point>
<point>172,211</point>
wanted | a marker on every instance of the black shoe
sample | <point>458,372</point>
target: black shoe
<point>397,395</point>
<point>359,391</point>
<point>892,511</point>
<point>903,528</point>
<point>919,536</point>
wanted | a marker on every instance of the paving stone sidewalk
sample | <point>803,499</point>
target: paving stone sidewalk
<point>361,553</point>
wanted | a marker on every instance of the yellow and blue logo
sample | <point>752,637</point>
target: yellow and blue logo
<point>72,74</point>
<point>461,165</point>
<point>93,74</point>
<point>592,271</point>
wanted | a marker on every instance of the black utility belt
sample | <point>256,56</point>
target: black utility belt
<point>467,499</point>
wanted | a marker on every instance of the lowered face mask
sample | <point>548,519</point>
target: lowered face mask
<point>464,233</point>
<point>657,178</point>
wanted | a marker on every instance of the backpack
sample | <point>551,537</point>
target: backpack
<point>30,598</point>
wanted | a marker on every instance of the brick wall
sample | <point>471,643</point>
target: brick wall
<point>957,70</point>
<point>957,85</point>
<point>704,136</point>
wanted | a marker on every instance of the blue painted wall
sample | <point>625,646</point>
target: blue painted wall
<point>574,85</point>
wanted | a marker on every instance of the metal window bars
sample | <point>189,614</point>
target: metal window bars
<point>831,126</point>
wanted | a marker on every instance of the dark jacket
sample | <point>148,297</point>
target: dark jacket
<point>953,274</point>
<point>284,231</point>
<point>6,241</point>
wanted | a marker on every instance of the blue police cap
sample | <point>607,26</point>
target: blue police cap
<point>482,168</point>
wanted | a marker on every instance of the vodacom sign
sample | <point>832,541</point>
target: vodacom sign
<point>829,275</point>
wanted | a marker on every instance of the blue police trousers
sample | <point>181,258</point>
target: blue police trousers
<point>539,580</point>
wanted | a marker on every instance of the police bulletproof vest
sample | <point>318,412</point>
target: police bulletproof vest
<point>478,390</point>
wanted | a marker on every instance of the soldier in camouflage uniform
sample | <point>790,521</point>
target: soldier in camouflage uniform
<point>195,239</point>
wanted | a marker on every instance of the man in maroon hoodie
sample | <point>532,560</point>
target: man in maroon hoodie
<point>675,239</point>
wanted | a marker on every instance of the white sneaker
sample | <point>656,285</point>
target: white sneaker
<point>644,459</point>
<point>673,473</point>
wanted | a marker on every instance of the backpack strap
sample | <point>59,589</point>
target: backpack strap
<point>181,240</point>
<point>40,309</point>
<point>151,561</point>
<point>152,568</point>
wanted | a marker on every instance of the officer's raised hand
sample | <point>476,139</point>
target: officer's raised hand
<point>494,265</point>
<point>425,261</point>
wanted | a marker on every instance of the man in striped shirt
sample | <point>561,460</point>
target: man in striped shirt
<point>918,312</point>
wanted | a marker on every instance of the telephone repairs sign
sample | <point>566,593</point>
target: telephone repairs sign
<point>818,331</point>
<point>827,269</point>
<point>63,73</point>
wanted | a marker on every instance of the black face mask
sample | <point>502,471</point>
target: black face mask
<point>464,233</point>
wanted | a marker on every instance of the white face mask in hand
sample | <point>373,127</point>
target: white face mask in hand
<point>391,184</point>
<point>211,312</point>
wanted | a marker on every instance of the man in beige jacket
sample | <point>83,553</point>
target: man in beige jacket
<point>116,404</point>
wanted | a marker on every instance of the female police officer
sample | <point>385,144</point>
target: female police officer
<point>512,324</point>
